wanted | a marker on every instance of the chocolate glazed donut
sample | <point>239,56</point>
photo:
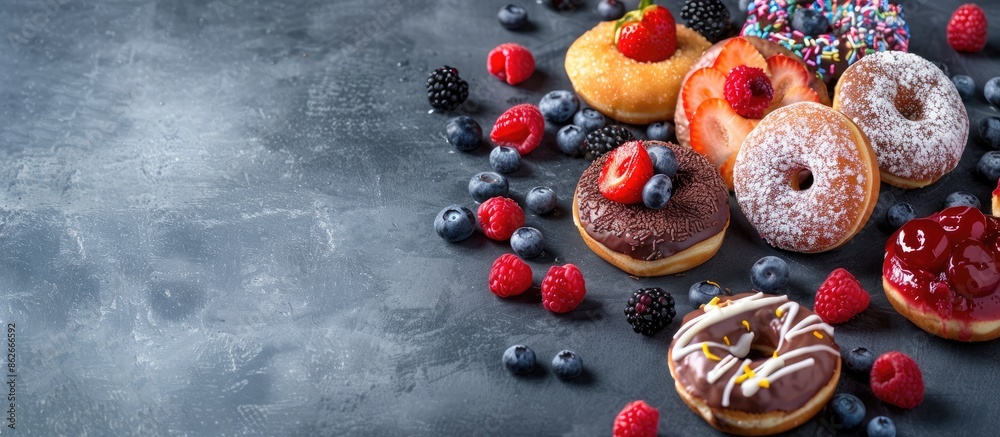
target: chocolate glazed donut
<point>754,364</point>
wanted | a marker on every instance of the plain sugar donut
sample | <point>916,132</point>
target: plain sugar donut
<point>911,113</point>
<point>790,147</point>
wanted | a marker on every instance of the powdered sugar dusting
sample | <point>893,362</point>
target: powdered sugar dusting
<point>802,136</point>
<point>875,91</point>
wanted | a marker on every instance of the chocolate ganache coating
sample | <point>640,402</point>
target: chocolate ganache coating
<point>697,210</point>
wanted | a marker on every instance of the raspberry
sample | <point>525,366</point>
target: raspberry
<point>520,127</point>
<point>511,62</point>
<point>840,297</point>
<point>967,29</point>
<point>748,91</point>
<point>509,276</point>
<point>500,217</point>
<point>896,379</point>
<point>637,419</point>
<point>563,288</point>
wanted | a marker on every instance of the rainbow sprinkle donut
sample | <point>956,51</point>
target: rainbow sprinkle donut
<point>857,27</point>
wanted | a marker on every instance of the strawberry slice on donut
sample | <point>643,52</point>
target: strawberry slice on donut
<point>717,132</point>
<point>625,172</point>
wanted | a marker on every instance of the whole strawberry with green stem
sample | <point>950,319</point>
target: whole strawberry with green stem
<point>647,34</point>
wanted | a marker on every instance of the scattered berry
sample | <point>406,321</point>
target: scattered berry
<point>563,288</point>
<point>847,410</point>
<point>992,91</point>
<point>464,133</point>
<point>657,191</point>
<point>897,215</point>
<point>810,22</point>
<point>748,91</point>
<point>519,359</point>
<point>505,159</point>
<point>625,173</point>
<point>455,223</point>
<point>896,380</point>
<point>859,360</point>
<point>989,165</point>
<point>965,85</point>
<point>840,297</point>
<point>664,160</point>
<point>487,184</point>
<point>527,242</point>
<point>661,131</point>
<point>570,139</point>
<point>541,200</point>
<point>961,198</point>
<point>769,274</point>
<point>445,90</point>
<point>559,106</point>
<point>567,364</point>
<point>510,62</point>
<point>707,17</point>
<point>509,276</point>
<point>967,29</point>
<point>520,127</point>
<point>703,292</point>
<point>881,426</point>
<point>649,310</point>
<point>512,17</point>
<point>637,419</point>
<point>589,119</point>
<point>989,131</point>
<point>606,139</point>
<point>648,34</point>
<point>610,10</point>
<point>499,217</point>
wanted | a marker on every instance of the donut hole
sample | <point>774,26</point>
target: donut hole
<point>760,352</point>
<point>802,179</point>
<point>909,106</point>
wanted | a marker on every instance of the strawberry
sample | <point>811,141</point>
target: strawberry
<point>840,297</point>
<point>637,419</point>
<point>748,91</point>
<point>625,172</point>
<point>509,276</point>
<point>520,127</point>
<point>705,83</point>
<point>717,132</point>
<point>738,51</point>
<point>896,379</point>
<point>563,288</point>
<point>790,80</point>
<point>967,29</point>
<point>647,34</point>
<point>510,62</point>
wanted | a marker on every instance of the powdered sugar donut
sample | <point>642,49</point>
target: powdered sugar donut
<point>806,178</point>
<point>911,113</point>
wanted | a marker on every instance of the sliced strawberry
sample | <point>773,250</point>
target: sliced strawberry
<point>626,171</point>
<point>786,74</point>
<point>717,132</point>
<point>705,83</point>
<point>795,94</point>
<point>520,127</point>
<point>738,51</point>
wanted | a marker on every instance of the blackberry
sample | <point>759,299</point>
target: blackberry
<point>606,139</point>
<point>708,17</point>
<point>445,90</point>
<point>649,310</point>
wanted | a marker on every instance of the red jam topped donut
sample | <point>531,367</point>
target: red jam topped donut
<point>942,273</point>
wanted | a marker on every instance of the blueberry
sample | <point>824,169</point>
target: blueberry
<point>519,359</point>
<point>455,223</point>
<point>664,160</point>
<point>567,365</point>
<point>859,360</point>
<point>989,131</point>
<point>505,159</point>
<point>527,242</point>
<point>559,106</point>
<point>541,200</point>
<point>703,293</point>
<point>965,85</point>
<point>962,198</point>
<point>881,426</point>
<point>610,10</point>
<point>897,215</point>
<point>989,165</point>
<point>570,139</point>
<point>769,274</point>
<point>464,133</point>
<point>660,131</point>
<point>810,22</point>
<point>848,411</point>
<point>992,92</point>
<point>657,191</point>
<point>487,184</point>
<point>512,17</point>
<point>589,119</point>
